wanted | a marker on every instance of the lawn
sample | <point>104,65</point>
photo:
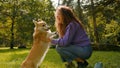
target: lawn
<point>13,58</point>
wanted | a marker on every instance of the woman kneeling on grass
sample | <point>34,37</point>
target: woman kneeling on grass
<point>73,42</point>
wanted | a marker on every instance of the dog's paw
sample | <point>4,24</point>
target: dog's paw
<point>53,36</point>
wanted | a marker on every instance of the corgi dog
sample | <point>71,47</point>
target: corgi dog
<point>41,44</point>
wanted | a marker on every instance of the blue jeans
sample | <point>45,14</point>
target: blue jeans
<point>72,52</point>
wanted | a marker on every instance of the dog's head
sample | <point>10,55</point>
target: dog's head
<point>41,25</point>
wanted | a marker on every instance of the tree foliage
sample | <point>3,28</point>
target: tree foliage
<point>107,14</point>
<point>20,14</point>
<point>16,17</point>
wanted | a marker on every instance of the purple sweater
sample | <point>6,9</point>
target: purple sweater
<point>74,35</point>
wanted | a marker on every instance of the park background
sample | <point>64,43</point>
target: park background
<point>101,19</point>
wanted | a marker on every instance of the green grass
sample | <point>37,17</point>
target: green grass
<point>13,58</point>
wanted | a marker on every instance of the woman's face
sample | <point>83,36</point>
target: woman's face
<point>58,16</point>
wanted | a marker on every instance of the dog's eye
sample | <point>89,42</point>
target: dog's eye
<point>43,25</point>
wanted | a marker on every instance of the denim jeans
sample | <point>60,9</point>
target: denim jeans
<point>69,53</point>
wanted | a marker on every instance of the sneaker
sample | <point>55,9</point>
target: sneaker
<point>70,65</point>
<point>82,65</point>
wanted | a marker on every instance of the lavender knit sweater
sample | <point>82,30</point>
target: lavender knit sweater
<point>74,35</point>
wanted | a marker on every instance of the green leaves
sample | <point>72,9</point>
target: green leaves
<point>21,13</point>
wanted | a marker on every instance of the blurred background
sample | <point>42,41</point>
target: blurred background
<point>101,19</point>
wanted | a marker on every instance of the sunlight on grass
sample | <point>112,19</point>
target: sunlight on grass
<point>108,58</point>
<point>52,60</point>
<point>13,58</point>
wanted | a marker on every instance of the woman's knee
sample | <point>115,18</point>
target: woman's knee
<point>58,49</point>
<point>61,50</point>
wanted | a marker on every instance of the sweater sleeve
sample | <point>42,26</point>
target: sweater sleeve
<point>67,38</point>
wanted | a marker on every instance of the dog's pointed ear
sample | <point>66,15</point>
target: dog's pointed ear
<point>39,20</point>
<point>35,22</point>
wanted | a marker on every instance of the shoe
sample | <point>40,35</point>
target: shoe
<point>82,65</point>
<point>70,65</point>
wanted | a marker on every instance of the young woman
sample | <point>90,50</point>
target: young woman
<point>73,42</point>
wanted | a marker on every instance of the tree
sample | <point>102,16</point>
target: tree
<point>10,10</point>
<point>105,11</point>
<point>94,22</point>
<point>21,13</point>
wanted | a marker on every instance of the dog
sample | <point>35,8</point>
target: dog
<point>41,44</point>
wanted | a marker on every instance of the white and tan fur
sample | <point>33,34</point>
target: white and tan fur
<point>41,44</point>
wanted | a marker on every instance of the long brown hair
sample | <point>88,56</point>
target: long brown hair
<point>67,16</point>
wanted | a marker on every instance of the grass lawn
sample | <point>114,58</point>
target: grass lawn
<point>13,58</point>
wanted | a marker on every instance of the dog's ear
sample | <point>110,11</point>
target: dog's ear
<point>39,20</point>
<point>35,22</point>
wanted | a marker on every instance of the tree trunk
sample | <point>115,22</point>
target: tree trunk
<point>58,3</point>
<point>14,12</point>
<point>66,2</point>
<point>12,34</point>
<point>94,23</point>
<point>80,11</point>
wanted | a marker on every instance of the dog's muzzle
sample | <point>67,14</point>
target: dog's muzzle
<point>47,28</point>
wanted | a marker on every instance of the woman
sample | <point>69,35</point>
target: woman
<point>73,42</point>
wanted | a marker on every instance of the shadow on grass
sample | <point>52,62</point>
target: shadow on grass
<point>105,47</point>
